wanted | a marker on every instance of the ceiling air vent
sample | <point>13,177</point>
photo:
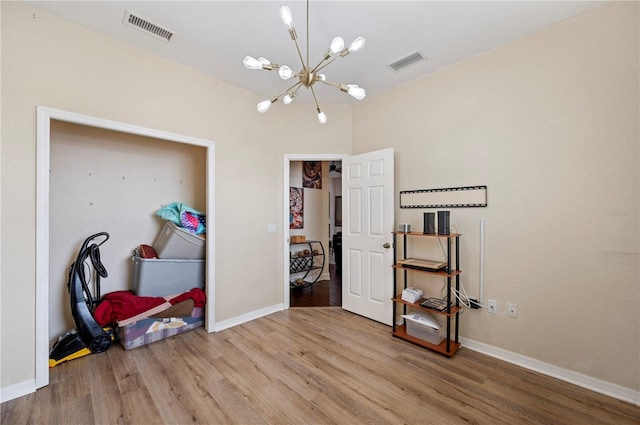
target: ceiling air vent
<point>135,21</point>
<point>405,62</point>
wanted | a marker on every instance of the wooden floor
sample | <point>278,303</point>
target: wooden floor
<point>325,293</point>
<point>304,366</point>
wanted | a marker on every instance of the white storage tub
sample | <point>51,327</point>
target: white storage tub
<point>421,326</point>
<point>156,277</point>
<point>175,242</point>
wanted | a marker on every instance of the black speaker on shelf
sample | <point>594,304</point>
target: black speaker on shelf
<point>429,223</point>
<point>443,222</point>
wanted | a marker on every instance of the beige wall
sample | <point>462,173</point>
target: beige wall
<point>550,125</point>
<point>48,61</point>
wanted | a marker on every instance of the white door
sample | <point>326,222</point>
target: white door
<point>367,223</point>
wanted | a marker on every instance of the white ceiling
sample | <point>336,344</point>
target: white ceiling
<point>214,36</point>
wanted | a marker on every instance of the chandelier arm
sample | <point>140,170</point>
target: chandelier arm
<point>329,83</point>
<point>315,98</point>
<point>317,67</point>
<point>352,90</point>
<point>297,88</point>
<point>295,41</point>
<point>286,91</point>
<point>322,117</point>
<point>320,68</point>
<point>270,66</point>
<point>339,86</point>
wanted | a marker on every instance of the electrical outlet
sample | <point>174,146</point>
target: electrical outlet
<point>492,306</point>
<point>512,310</point>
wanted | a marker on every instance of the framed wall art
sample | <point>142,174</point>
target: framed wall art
<point>296,208</point>
<point>312,174</point>
<point>338,211</point>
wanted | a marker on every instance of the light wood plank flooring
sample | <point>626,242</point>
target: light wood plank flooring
<point>304,366</point>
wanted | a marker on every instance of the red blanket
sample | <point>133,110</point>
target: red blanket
<point>123,307</point>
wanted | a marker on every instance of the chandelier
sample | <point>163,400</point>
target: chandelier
<point>307,76</point>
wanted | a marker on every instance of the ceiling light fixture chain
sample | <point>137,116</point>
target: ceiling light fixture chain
<point>307,76</point>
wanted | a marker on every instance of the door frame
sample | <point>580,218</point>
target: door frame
<point>43,142</point>
<point>288,158</point>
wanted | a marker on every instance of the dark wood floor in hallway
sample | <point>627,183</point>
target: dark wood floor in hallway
<point>325,293</point>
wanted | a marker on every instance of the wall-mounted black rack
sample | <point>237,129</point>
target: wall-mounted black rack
<point>452,197</point>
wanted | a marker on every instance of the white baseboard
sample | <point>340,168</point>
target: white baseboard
<point>17,390</point>
<point>252,315</point>
<point>619,392</point>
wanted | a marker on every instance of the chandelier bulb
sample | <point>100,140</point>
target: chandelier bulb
<point>321,77</point>
<point>288,98</point>
<point>286,16</point>
<point>357,44</point>
<point>336,45</point>
<point>252,63</point>
<point>264,106</point>
<point>264,61</point>
<point>356,91</point>
<point>285,72</point>
<point>322,118</point>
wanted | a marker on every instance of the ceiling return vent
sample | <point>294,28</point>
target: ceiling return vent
<point>132,20</point>
<point>407,61</point>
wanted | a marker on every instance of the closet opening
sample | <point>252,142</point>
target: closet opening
<point>51,121</point>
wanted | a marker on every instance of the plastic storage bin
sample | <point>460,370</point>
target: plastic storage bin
<point>150,330</point>
<point>418,326</point>
<point>175,242</point>
<point>156,277</point>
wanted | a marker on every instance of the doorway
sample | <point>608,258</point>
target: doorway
<point>326,290</point>
<point>323,292</point>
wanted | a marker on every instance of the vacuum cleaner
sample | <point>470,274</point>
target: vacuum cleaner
<point>88,337</point>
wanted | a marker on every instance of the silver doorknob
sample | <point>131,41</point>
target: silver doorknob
<point>387,245</point>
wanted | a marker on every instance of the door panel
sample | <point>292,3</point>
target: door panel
<point>376,206</point>
<point>354,217</point>
<point>376,271</point>
<point>354,262</point>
